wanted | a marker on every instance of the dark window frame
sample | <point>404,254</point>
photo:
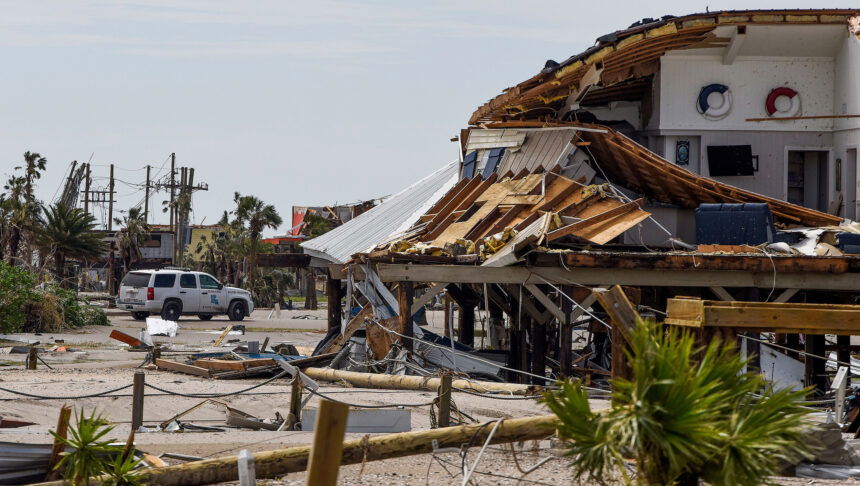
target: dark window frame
<point>216,283</point>
<point>162,278</point>
<point>185,276</point>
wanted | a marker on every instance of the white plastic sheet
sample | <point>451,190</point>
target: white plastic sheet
<point>159,327</point>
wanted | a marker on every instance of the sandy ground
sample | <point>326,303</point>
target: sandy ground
<point>98,363</point>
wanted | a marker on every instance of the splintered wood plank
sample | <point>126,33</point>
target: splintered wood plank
<point>353,325</point>
<point>233,365</point>
<point>490,197</point>
<point>685,312</point>
<point>557,193</point>
<point>605,231</point>
<point>622,312</point>
<point>593,230</point>
<point>164,364</point>
<point>378,339</point>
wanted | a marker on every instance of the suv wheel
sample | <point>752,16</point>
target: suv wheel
<point>139,316</point>
<point>204,317</point>
<point>171,311</point>
<point>236,312</point>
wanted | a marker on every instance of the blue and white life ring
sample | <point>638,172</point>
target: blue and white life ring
<point>718,111</point>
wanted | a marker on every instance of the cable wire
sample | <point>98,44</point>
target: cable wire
<point>72,397</point>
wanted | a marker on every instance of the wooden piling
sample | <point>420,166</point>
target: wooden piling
<point>137,399</point>
<point>59,446</point>
<point>444,419</point>
<point>327,448</point>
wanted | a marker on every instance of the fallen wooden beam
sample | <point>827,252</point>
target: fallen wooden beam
<point>403,382</point>
<point>272,464</point>
<point>125,338</point>
<point>164,364</point>
<point>233,365</point>
<point>780,317</point>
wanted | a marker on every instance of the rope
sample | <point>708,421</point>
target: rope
<point>73,397</point>
<point>217,395</point>
<point>355,405</point>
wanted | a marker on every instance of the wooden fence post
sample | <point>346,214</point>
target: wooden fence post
<point>58,447</point>
<point>295,415</point>
<point>445,401</point>
<point>327,448</point>
<point>32,357</point>
<point>137,400</point>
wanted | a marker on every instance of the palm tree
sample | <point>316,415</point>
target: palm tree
<point>131,237</point>
<point>255,216</point>
<point>66,232</point>
<point>686,414</point>
<point>21,205</point>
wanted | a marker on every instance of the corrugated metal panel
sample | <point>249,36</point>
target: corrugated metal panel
<point>393,216</point>
<point>542,148</point>
<point>484,139</point>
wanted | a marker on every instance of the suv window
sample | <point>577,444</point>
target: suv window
<point>187,281</point>
<point>135,279</point>
<point>207,282</point>
<point>165,280</point>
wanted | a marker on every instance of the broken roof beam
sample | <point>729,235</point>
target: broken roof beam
<point>602,228</point>
<point>616,152</point>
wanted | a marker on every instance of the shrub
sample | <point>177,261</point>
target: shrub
<point>16,292</point>
<point>685,414</point>
<point>90,454</point>
<point>24,308</point>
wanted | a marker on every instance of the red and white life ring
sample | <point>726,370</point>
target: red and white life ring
<point>770,103</point>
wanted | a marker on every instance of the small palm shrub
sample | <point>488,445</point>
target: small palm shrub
<point>89,454</point>
<point>686,414</point>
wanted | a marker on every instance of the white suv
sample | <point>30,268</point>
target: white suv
<point>172,293</point>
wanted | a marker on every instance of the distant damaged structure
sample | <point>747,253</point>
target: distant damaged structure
<point>711,157</point>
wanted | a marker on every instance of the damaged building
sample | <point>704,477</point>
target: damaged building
<point>707,164</point>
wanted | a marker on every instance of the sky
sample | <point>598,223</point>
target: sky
<point>298,103</point>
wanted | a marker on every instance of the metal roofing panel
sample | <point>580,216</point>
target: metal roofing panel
<point>394,215</point>
<point>542,148</point>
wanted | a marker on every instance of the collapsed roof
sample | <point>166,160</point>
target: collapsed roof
<point>621,64</point>
<point>525,186</point>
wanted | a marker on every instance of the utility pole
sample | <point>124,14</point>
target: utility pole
<point>172,201</point>
<point>172,187</point>
<point>110,201</point>
<point>146,199</point>
<point>87,190</point>
<point>111,263</point>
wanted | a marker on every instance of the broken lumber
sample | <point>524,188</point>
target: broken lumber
<point>232,364</point>
<point>405,382</point>
<point>164,364</point>
<point>272,464</point>
<point>125,338</point>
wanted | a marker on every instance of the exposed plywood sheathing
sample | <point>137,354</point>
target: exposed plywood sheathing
<point>631,54</point>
